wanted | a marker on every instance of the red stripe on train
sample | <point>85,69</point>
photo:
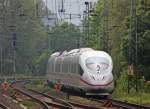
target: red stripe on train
<point>95,84</point>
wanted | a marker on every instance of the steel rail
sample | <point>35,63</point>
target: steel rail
<point>3,106</point>
<point>121,104</point>
<point>46,106</point>
<point>59,106</point>
<point>63,102</point>
<point>128,105</point>
<point>69,103</point>
<point>83,106</point>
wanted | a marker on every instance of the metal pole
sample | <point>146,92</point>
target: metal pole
<point>107,33</point>
<point>136,48</point>
<point>88,23</point>
<point>128,84</point>
<point>46,8</point>
<point>133,33</point>
<point>105,27</point>
<point>1,59</point>
<point>87,20</point>
<point>130,35</point>
<point>14,68</point>
<point>130,40</point>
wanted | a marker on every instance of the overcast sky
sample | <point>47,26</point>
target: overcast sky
<point>75,7</point>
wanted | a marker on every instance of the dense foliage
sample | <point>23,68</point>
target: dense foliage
<point>21,23</point>
<point>26,42</point>
<point>143,38</point>
<point>64,37</point>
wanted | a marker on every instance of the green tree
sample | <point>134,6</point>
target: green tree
<point>64,37</point>
<point>143,34</point>
<point>22,18</point>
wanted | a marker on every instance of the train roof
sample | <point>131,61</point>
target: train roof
<point>71,52</point>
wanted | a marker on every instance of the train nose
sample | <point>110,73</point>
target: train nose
<point>97,78</point>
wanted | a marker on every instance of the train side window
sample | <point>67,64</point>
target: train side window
<point>65,68</point>
<point>52,69</point>
<point>80,70</point>
<point>73,68</point>
<point>51,66</point>
<point>77,68</point>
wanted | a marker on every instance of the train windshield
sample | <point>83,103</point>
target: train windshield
<point>97,64</point>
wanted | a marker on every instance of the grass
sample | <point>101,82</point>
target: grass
<point>141,97</point>
<point>39,85</point>
<point>134,97</point>
<point>28,103</point>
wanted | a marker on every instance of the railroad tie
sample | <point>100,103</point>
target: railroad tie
<point>107,104</point>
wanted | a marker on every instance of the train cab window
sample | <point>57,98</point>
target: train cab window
<point>97,63</point>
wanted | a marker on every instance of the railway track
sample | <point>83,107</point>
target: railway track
<point>48,101</point>
<point>52,102</point>
<point>73,105</point>
<point>127,105</point>
<point>34,97</point>
<point>3,106</point>
<point>113,103</point>
<point>7,103</point>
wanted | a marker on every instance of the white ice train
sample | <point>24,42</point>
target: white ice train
<point>83,71</point>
